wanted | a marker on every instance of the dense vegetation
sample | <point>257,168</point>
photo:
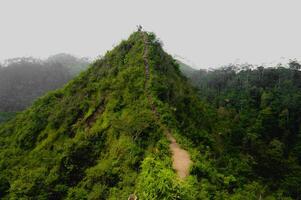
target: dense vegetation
<point>23,80</point>
<point>97,138</point>
<point>258,124</point>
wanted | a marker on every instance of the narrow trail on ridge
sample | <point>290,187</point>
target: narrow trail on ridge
<point>181,158</point>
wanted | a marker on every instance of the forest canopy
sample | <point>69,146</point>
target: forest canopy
<point>257,119</point>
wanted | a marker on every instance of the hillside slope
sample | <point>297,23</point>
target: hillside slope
<point>181,158</point>
<point>112,132</point>
<point>97,138</point>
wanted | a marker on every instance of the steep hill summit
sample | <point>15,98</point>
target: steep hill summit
<point>132,127</point>
<point>103,136</point>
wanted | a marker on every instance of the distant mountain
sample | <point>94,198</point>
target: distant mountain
<point>186,69</point>
<point>23,80</point>
<point>74,64</point>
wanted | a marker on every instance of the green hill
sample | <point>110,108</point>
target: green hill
<point>97,138</point>
<point>107,134</point>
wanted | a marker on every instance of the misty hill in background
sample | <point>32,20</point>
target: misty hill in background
<point>74,64</point>
<point>22,80</point>
<point>186,69</point>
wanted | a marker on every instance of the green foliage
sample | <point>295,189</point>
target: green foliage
<point>102,135</point>
<point>93,139</point>
<point>158,181</point>
<point>257,121</point>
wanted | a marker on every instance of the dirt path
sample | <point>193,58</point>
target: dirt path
<point>181,158</point>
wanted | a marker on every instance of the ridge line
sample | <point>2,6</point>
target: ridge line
<point>181,158</point>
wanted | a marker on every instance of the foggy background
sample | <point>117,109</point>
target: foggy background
<point>205,32</point>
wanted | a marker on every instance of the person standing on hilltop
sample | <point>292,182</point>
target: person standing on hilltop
<point>139,27</point>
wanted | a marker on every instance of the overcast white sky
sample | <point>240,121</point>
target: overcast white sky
<point>206,32</point>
